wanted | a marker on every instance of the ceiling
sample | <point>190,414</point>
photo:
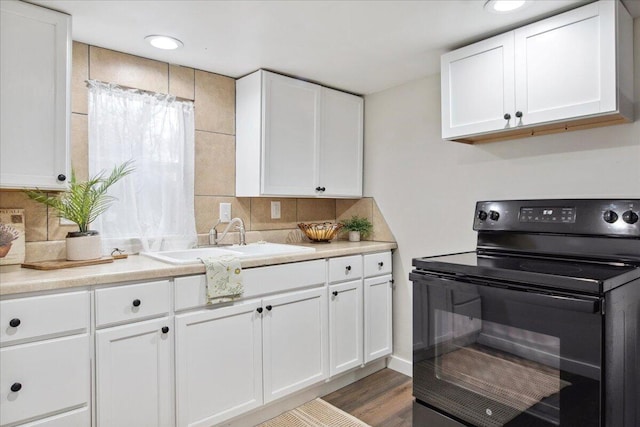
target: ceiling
<point>358,46</point>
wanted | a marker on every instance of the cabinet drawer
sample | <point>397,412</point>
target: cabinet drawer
<point>76,418</point>
<point>132,302</point>
<point>51,376</point>
<point>377,264</point>
<point>191,291</point>
<point>345,268</point>
<point>43,316</point>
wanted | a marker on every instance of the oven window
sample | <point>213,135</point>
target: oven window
<point>493,360</point>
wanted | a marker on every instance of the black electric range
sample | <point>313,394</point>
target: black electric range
<point>537,326</point>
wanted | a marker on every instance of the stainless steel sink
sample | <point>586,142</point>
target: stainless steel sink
<point>253,250</point>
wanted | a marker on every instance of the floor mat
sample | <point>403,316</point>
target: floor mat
<point>316,413</point>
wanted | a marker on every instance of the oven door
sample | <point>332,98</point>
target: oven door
<point>488,354</point>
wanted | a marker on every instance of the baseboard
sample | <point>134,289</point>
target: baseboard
<point>400,365</point>
<point>273,409</point>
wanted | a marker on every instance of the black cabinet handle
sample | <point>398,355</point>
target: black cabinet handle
<point>323,189</point>
<point>16,387</point>
<point>259,309</point>
<point>507,116</point>
<point>268,307</point>
<point>320,189</point>
<point>335,293</point>
<point>165,329</point>
<point>136,303</point>
<point>62,177</point>
<point>14,323</point>
<point>380,264</point>
<point>518,114</point>
<point>348,268</point>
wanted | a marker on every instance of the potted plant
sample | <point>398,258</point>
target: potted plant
<point>82,203</point>
<point>358,227</point>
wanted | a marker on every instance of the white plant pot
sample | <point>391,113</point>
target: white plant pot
<point>83,248</point>
<point>354,236</point>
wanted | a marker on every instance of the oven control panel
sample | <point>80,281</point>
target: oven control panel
<point>609,217</point>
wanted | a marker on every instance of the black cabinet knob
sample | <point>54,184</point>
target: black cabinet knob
<point>507,116</point>
<point>610,217</point>
<point>323,189</point>
<point>259,309</point>
<point>14,323</point>
<point>482,215</point>
<point>136,303</point>
<point>518,114</point>
<point>335,293</point>
<point>348,268</point>
<point>494,215</point>
<point>630,217</point>
<point>318,188</point>
<point>381,264</point>
<point>268,307</point>
<point>62,177</point>
<point>165,329</point>
<point>16,387</point>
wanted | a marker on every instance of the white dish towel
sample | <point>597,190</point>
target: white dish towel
<point>224,278</point>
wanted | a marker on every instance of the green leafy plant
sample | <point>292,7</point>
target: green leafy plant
<point>358,223</point>
<point>84,201</point>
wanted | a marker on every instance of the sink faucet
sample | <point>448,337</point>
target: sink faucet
<point>213,233</point>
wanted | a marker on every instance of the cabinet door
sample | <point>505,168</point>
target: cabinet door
<point>134,375</point>
<point>291,129</point>
<point>294,342</point>
<point>478,87</point>
<point>340,147</point>
<point>377,317</point>
<point>565,65</point>
<point>218,364</point>
<point>34,82</point>
<point>345,326</point>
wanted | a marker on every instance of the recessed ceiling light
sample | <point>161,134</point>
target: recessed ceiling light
<point>503,6</point>
<point>164,42</point>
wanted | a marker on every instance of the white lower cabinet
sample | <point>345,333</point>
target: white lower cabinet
<point>44,377</point>
<point>218,363</point>
<point>295,341</point>
<point>377,317</point>
<point>345,326</point>
<point>134,374</point>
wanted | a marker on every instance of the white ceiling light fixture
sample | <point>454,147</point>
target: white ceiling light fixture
<point>503,6</point>
<point>164,42</point>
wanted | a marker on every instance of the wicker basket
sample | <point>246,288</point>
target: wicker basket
<point>320,232</point>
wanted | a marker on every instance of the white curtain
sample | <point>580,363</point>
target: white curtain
<point>154,210</point>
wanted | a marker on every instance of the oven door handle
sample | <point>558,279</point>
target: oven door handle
<point>550,300</point>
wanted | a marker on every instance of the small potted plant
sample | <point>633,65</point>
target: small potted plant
<point>358,227</point>
<point>82,203</point>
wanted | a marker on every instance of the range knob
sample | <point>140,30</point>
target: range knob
<point>630,217</point>
<point>610,217</point>
<point>494,216</point>
<point>482,215</point>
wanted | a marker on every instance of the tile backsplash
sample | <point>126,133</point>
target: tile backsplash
<point>214,99</point>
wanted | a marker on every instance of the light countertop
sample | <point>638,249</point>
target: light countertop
<point>16,280</point>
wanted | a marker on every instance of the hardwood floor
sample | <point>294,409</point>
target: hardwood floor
<point>382,399</point>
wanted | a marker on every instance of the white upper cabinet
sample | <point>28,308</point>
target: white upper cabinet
<point>35,109</point>
<point>570,71</point>
<point>295,138</point>
<point>469,107</point>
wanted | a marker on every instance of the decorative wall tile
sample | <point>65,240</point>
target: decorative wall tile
<point>261,214</point>
<point>45,251</point>
<point>35,214</point>
<point>215,164</point>
<point>79,75</point>
<point>128,70</point>
<point>381,230</point>
<point>57,231</point>
<point>346,208</point>
<point>215,103</point>
<point>80,145</point>
<point>181,81</point>
<point>316,210</point>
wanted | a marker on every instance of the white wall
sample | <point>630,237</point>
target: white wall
<point>426,188</point>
